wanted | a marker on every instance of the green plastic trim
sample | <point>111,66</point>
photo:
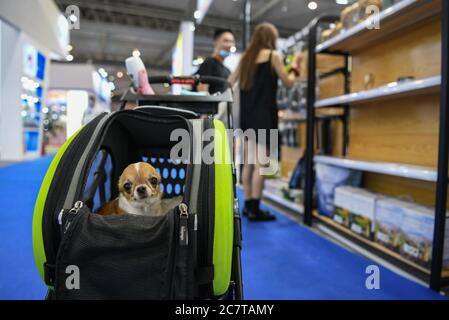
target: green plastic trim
<point>38,239</point>
<point>224,211</point>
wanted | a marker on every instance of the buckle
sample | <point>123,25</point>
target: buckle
<point>49,274</point>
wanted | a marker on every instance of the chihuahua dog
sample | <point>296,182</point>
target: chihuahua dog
<point>139,193</point>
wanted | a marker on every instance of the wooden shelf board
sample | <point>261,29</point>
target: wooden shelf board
<point>295,207</point>
<point>396,19</point>
<point>394,89</point>
<point>388,168</point>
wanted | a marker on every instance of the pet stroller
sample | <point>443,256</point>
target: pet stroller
<point>193,252</point>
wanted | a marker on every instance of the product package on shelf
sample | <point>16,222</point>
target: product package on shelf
<point>369,7</point>
<point>293,195</point>
<point>282,95</point>
<point>280,188</point>
<point>389,3</point>
<point>446,253</point>
<point>325,35</point>
<point>296,180</point>
<point>275,186</point>
<point>387,223</point>
<point>354,208</point>
<point>329,177</point>
<point>338,28</point>
<point>334,29</point>
<point>416,236</point>
<point>297,96</point>
<point>359,11</point>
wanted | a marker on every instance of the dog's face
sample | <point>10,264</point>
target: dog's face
<point>140,184</point>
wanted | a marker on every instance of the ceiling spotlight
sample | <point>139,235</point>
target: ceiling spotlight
<point>284,6</point>
<point>73,18</point>
<point>119,74</point>
<point>69,57</point>
<point>312,5</point>
<point>192,28</point>
<point>197,14</point>
<point>136,53</point>
<point>69,47</point>
<point>341,1</point>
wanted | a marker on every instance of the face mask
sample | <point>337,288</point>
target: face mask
<point>224,53</point>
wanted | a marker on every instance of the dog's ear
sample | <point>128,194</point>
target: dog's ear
<point>121,181</point>
<point>119,184</point>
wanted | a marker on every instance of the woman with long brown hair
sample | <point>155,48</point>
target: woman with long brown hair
<point>259,70</point>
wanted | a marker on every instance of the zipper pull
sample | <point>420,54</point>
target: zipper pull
<point>74,211</point>
<point>183,224</point>
<point>76,207</point>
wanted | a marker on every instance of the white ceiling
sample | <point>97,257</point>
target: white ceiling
<point>111,29</point>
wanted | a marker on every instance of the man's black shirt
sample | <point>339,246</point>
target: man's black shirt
<point>213,67</point>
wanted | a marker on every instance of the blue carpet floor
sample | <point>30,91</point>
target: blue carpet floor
<point>281,259</point>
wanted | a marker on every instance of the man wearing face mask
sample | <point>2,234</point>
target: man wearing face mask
<point>213,65</point>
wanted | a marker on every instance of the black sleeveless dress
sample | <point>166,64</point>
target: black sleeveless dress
<point>258,108</point>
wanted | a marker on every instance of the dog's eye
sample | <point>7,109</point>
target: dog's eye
<point>153,181</point>
<point>127,186</point>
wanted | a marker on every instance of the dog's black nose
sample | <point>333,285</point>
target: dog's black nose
<point>141,190</point>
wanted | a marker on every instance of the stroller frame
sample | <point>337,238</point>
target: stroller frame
<point>123,134</point>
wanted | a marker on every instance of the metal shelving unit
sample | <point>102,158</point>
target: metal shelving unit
<point>293,206</point>
<point>372,244</point>
<point>389,168</point>
<point>395,20</point>
<point>389,91</point>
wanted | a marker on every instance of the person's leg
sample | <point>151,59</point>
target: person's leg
<point>257,182</point>
<point>247,174</point>
<point>257,185</point>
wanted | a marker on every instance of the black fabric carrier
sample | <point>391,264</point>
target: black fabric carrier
<point>127,256</point>
<point>107,248</point>
<point>83,255</point>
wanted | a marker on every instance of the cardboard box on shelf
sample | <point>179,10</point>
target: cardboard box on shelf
<point>446,251</point>
<point>387,222</point>
<point>275,186</point>
<point>416,238</point>
<point>355,209</point>
<point>341,216</point>
<point>369,7</point>
<point>328,178</point>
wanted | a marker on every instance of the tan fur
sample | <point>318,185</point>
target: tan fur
<point>139,174</point>
<point>111,208</point>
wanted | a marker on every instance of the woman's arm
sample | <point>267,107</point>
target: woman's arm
<point>287,78</point>
<point>234,77</point>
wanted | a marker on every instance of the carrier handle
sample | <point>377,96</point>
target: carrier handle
<point>191,80</point>
<point>168,111</point>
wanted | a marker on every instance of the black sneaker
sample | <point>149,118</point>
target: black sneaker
<point>249,206</point>
<point>260,215</point>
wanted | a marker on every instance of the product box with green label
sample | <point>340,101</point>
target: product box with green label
<point>387,224</point>
<point>416,237</point>
<point>355,209</point>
